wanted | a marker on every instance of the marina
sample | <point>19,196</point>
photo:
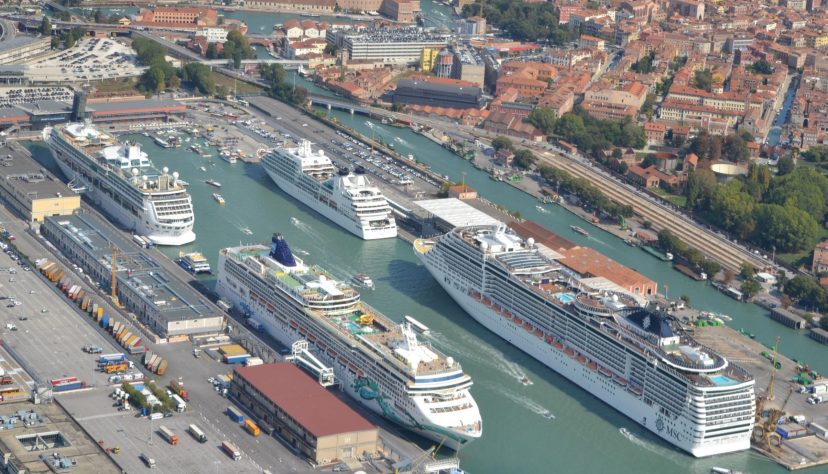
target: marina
<point>405,287</point>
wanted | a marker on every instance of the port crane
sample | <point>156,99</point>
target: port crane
<point>765,429</point>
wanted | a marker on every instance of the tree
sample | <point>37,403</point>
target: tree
<point>805,188</point>
<point>703,79</point>
<point>749,288</point>
<point>761,67</point>
<point>155,79</point>
<point>710,267</point>
<point>732,209</point>
<point>148,51</point>
<point>649,103</point>
<point>570,125</point>
<point>700,187</point>
<point>543,118</point>
<point>45,27</point>
<point>331,49</point>
<point>524,159</point>
<point>788,229</point>
<point>803,289</point>
<point>785,165</point>
<point>817,154</point>
<point>735,149</point>
<point>199,77</point>
<point>747,271</point>
<point>212,51</point>
<point>823,322</point>
<point>645,64</point>
<point>501,143</point>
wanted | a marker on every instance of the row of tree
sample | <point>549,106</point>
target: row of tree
<point>279,88</point>
<point>523,158</point>
<point>161,74</point>
<point>714,148</point>
<point>670,243</point>
<point>585,191</point>
<point>587,132</point>
<point>536,21</point>
<point>780,212</point>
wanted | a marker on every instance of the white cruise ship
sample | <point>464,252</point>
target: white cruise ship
<point>636,359</point>
<point>349,200</point>
<point>120,178</point>
<point>376,361</point>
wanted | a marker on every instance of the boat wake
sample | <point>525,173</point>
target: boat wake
<point>491,357</point>
<point>598,240</point>
<point>301,225</point>
<point>665,453</point>
<point>527,403</point>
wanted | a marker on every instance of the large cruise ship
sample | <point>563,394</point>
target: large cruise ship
<point>635,358</point>
<point>120,178</point>
<point>375,360</point>
<point>348,199</point>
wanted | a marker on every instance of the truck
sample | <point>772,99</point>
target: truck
<point>231,450</point>
<point>235,414</point>
<point>109,358</point>
<point>180,404</point>
<point>818,388</point>
<point>178,388</point>
<point>197,433</point>
<point>162,367</point>
<point>66,383</point>
<point>252,427</point>
<point>168,435</point>
<point>254,324</point>
<point>816,399</point>
<point>137,348</point>
<point>147,357</point>
<point>114,368</point>
<point>105,321</point>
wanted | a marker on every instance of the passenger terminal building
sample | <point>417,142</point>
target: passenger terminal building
<point>167,305</point>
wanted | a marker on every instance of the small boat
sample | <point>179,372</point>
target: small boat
<point>203,168</point>
<point>525,381</point>
<point>161,142</point>
<point>723,470</point>
<point>548,415</point>
<point>194,263</point>
<point>219,199</point>
<point>246,231</point>
<point>579,230</point>
<point>541,209</point>
<point>363,280</point>
<point>418,326</point>
<point>213,182</point>
<point>228,157</point>
<point>146,134</point>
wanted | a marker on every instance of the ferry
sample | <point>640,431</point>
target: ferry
<point>363,280</point>
<point>219,199</point>
<point>121,180</point>
<point>348,199</point>
<point>194,263</point>
<point>617,347</point>
<point>420,327</point>
<point>228,157</point>
<point>579,230</point>
<point>213,182</point>
<point>161,142</point>
<point>376,361</point>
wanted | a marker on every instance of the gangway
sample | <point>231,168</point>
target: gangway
<point>301,355</point>
<point>77,186</point>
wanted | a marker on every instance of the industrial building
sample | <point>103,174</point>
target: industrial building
<point>303,413</point>
<point>389,46</point>
<point>167,305</point>
<point>439,93</point>
<point>31,190</point>
<point>445,214</point>
<point>22,48</point>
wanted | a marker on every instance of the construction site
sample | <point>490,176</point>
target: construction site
<point>791,399</point>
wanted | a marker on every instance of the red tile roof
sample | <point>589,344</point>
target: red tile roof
<point>317,410</point>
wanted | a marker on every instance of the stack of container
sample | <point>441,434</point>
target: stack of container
<point>233,353</point>
<point>155,363</point>
<point>66,383</point>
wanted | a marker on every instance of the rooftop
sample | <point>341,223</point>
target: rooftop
<point>303,399</point>
<point>456,212</point>
<point>28,178</point>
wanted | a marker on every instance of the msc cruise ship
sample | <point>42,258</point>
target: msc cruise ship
<point>636,359</point>
<point>348,199</point>
<point>375,360</point>
<point>120,178</point>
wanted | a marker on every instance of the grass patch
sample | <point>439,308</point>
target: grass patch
<point>120,85</point>
<point>241,86</point>
<point>679,201</point>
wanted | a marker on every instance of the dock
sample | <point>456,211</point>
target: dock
<point>793,454</point>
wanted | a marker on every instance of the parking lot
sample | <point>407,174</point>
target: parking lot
<point>89,60</point>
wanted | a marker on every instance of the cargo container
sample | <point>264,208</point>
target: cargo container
<point>819,431</point>
<point>231,450</point>
<point>236,359</point>
<point>94,308</point>
<point>253,361</point>
<point>105,321</point>
<point>100,311</point>
<point>116,327</point>
<point>231,350</point>
<point>252,427</point>
<point>152,360</point>
<point>45,266</point>
<point>121,331</point>
<point>99,318</point>
<point>72,290</point>
<point>197,433</point>
<point>180,404</point>
<point>162,367</point>
<point>139,241</point>
<point>113,368</point>
<point>85,303</point>
<point>168,435</point>
<point>127,341</point>
<point>819,388</point>
<point>791,431</point>
<point>123,336</point>
<point>6,380</point>
<point>235,414</point>
<point>80,294</point>
<point>117,357</point>
<point>178,388</point>
<point>147,357</point>
<point>66,383</point>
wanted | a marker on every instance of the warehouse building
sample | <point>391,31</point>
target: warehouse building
<point>303,413</point>
<point>167,305</point>
<point>30,190</point>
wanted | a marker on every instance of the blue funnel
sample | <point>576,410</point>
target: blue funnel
<point>280,251</point>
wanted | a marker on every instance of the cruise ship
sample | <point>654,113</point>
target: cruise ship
<point>120,178</point>
<point>376,361</point>
<point>348,199</point>
<point>611,343</point>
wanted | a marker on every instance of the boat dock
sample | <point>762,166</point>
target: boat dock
<point>793,453</point>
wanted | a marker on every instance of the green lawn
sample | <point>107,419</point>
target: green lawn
<point>120,86</point>
<point>679,201</point>
<point>241,86</point>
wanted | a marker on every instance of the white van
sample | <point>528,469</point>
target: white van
<point>150,462</point>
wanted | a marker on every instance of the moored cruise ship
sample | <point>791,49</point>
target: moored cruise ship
<point>375,360</point>
<point>348,199</point>
<point>120,178</point>
<point>635,358</point>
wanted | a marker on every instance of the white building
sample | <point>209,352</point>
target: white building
<point>390,46</point>
<point>212,34</point>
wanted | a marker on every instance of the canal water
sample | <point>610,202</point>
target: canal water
<point>550,426</point>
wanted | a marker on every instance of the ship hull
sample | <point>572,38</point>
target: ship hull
<point>140,225</point>
<point>678,432</point>
<point>350,383</point>
<point>364,232</point>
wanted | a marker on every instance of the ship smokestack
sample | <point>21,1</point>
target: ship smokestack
<point>280,251</point>
<point>79,107</point>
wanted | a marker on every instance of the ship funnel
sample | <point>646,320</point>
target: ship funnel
<point>280,251</point>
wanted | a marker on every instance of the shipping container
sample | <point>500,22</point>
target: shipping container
<point>100,311</point>
<point>168,435</point>
<point>147,357</point>
<point>105,321</point>
<point>197,433</point>
<point>139,241</point>
<point>162,367</point>
<point>67,387</point>
<point>152,360</point>
<point>113,368</point>
<point>127,341</point>
<point>235,414</point>
<point>94,308</point>
<point>116,357</point>
<point>253,361</point>
<point>252,428</point>
<point>819,388</point>
<point>137,349</point>
<point>819,431</point>
<point>232,349</point>
<point>72,290</point>
<point>85,303</point>
<point>116,327</point>
<point>236,359</point>
<point>231,450</point>
<point>180,404</point>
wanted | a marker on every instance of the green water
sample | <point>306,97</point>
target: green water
<point>584,435</point>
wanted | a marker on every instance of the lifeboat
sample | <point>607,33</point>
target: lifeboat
<point>507,315</point>
<point>294,324</point>
<point>559,345</point>
<point>593,365</point>
<point>569,352</point>
<point>311,338</point>
<point>332,353</point>
<point>360,373</point>
<point>635,390</point>
<point>527,326</point>
<point>550,340</point>
<point>605,371</point>
<point>538,333</point>
<point>321,345</point>
<point>581,359</point>
<point>620,381</point>
<point>487,301</point>
<point>303,331</point>
<point>517,320</point>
